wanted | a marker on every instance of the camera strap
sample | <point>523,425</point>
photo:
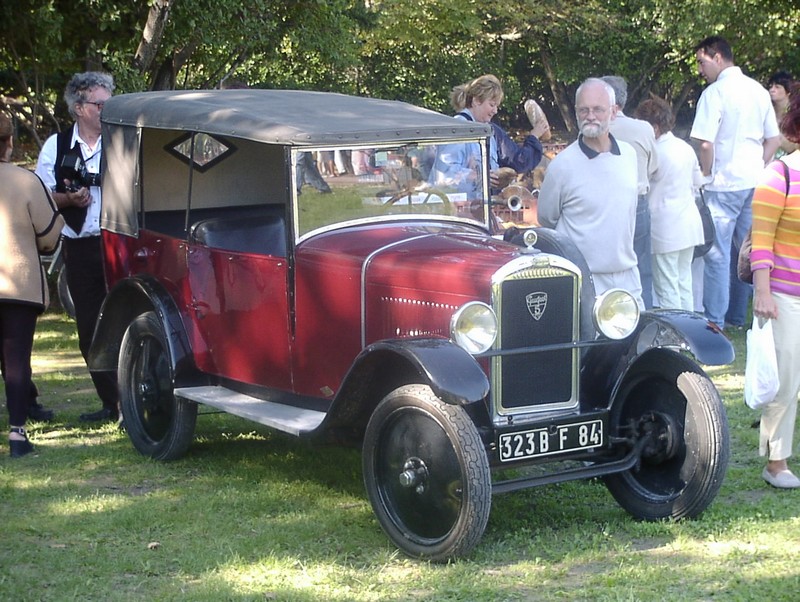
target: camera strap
<point>73,216</point>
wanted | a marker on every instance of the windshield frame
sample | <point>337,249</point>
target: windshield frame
<point>478,200</point>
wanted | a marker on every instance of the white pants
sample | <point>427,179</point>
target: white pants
<point>672,279</point>
<point>778,417</point>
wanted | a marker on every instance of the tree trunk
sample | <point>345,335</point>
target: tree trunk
<point>157,19</point>
<point>558,90</point>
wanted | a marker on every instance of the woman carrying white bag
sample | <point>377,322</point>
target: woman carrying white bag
<point>775,259</point>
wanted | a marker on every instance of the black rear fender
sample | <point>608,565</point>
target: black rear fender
<point>128,299</point>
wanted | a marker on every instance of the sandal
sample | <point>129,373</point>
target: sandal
<point>20,447</point>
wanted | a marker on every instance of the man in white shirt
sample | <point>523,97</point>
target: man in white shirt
<point>69,164</point>
<point>737,133</point>
<point>589,193</point>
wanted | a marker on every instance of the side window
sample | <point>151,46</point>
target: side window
<point>165,184</point>
<point>201,151</point>
<point>194,177</point>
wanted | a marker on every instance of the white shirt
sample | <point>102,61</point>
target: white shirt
<point>675,222</point>
<point>735,113</point>
<point>45,169</point>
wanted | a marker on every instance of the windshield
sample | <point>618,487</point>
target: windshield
<point>344,184</point>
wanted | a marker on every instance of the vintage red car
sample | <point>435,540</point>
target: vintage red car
<point>387,312</point>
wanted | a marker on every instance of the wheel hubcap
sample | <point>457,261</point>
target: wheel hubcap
<point>662,431</point>
<point>415,474</point>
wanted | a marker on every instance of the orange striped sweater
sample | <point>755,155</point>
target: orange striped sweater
<point>776,226</point>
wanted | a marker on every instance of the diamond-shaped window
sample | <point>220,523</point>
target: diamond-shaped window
<point>202,150</point>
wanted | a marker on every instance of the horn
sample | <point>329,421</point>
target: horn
<point>514,202</point>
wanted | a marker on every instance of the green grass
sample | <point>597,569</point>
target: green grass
<point>249,514</point>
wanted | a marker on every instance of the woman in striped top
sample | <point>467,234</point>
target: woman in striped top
<point>775,260</point>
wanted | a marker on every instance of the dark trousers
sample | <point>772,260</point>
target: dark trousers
<point>83,261</point>
<point>17,325</point>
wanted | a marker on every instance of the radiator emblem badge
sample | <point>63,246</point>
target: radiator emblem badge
<point>537,303</point>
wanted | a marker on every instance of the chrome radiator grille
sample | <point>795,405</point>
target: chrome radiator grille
<point>536,306</point>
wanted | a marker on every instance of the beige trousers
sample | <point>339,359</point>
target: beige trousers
<point>778,417</point>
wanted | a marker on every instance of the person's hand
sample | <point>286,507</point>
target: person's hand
<point>542,128</point>
<point>764,306</point>
<point>79,198</point>
<point>763,303</point>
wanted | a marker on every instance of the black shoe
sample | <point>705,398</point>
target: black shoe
<point>20,448</point>
<point>106,414</point>
<point>38,412</point>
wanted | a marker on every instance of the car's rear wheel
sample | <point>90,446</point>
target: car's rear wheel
<point>667,398</point>
<point>159,425</point>
<point>426,474</point>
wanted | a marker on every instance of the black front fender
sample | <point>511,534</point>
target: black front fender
<point>604,365</point>
<point>452,373</point>
<point>687,330</point>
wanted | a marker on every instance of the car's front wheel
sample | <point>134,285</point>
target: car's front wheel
<point>159,425</point>
<point>668,399</point>
<point>426,474</point>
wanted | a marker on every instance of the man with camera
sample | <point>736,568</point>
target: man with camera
<point>69,164</point>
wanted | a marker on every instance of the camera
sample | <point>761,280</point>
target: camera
<point>73,168</point>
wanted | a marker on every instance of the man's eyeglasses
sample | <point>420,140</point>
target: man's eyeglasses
<point>98,103</point>
<point>598,111</point>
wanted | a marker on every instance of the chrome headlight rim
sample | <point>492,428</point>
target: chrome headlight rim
<point>616,314</point>
<point>473,327</point>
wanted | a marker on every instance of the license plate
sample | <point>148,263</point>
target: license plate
<point>551,440</point>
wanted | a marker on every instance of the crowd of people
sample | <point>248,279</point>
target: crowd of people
<point>624,192</point>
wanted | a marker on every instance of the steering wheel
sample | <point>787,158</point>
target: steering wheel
<point>448,206</point>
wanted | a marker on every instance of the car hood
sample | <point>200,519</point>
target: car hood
<point>453,258</point>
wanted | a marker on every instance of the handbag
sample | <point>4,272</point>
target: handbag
<point>709,230</point>
<point>761,380</point>
<point>743,268</point>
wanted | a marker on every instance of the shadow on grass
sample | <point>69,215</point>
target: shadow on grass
<point>252,514</point>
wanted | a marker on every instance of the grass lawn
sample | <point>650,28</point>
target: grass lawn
<point>249,514</point>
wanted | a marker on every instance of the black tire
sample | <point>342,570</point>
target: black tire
<point>442,512</point>
<point>159,425</point>
<point>64,296</point>
<point>683,468</point>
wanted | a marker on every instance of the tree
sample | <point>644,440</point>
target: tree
<point>413,51</point>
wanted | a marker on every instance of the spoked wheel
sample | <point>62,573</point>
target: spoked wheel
<point>668,399</point>
<point>426,474</point>
<point>158,424</point>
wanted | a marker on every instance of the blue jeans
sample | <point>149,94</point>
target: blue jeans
<point>732,213</point>
<point>643,249</point>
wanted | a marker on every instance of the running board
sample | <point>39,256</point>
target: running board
<point>289,419</point>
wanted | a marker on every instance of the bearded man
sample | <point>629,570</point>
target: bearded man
<point>590,192</point>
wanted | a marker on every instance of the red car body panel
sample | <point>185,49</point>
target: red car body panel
<point>414,279</point>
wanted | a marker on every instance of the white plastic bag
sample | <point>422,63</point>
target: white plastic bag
<point>761,380</point>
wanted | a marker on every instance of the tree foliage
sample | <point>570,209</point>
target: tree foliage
<point>413,51</point>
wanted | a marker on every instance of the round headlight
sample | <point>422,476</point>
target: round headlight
<point>616,313</point>
<point>474,327</point>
